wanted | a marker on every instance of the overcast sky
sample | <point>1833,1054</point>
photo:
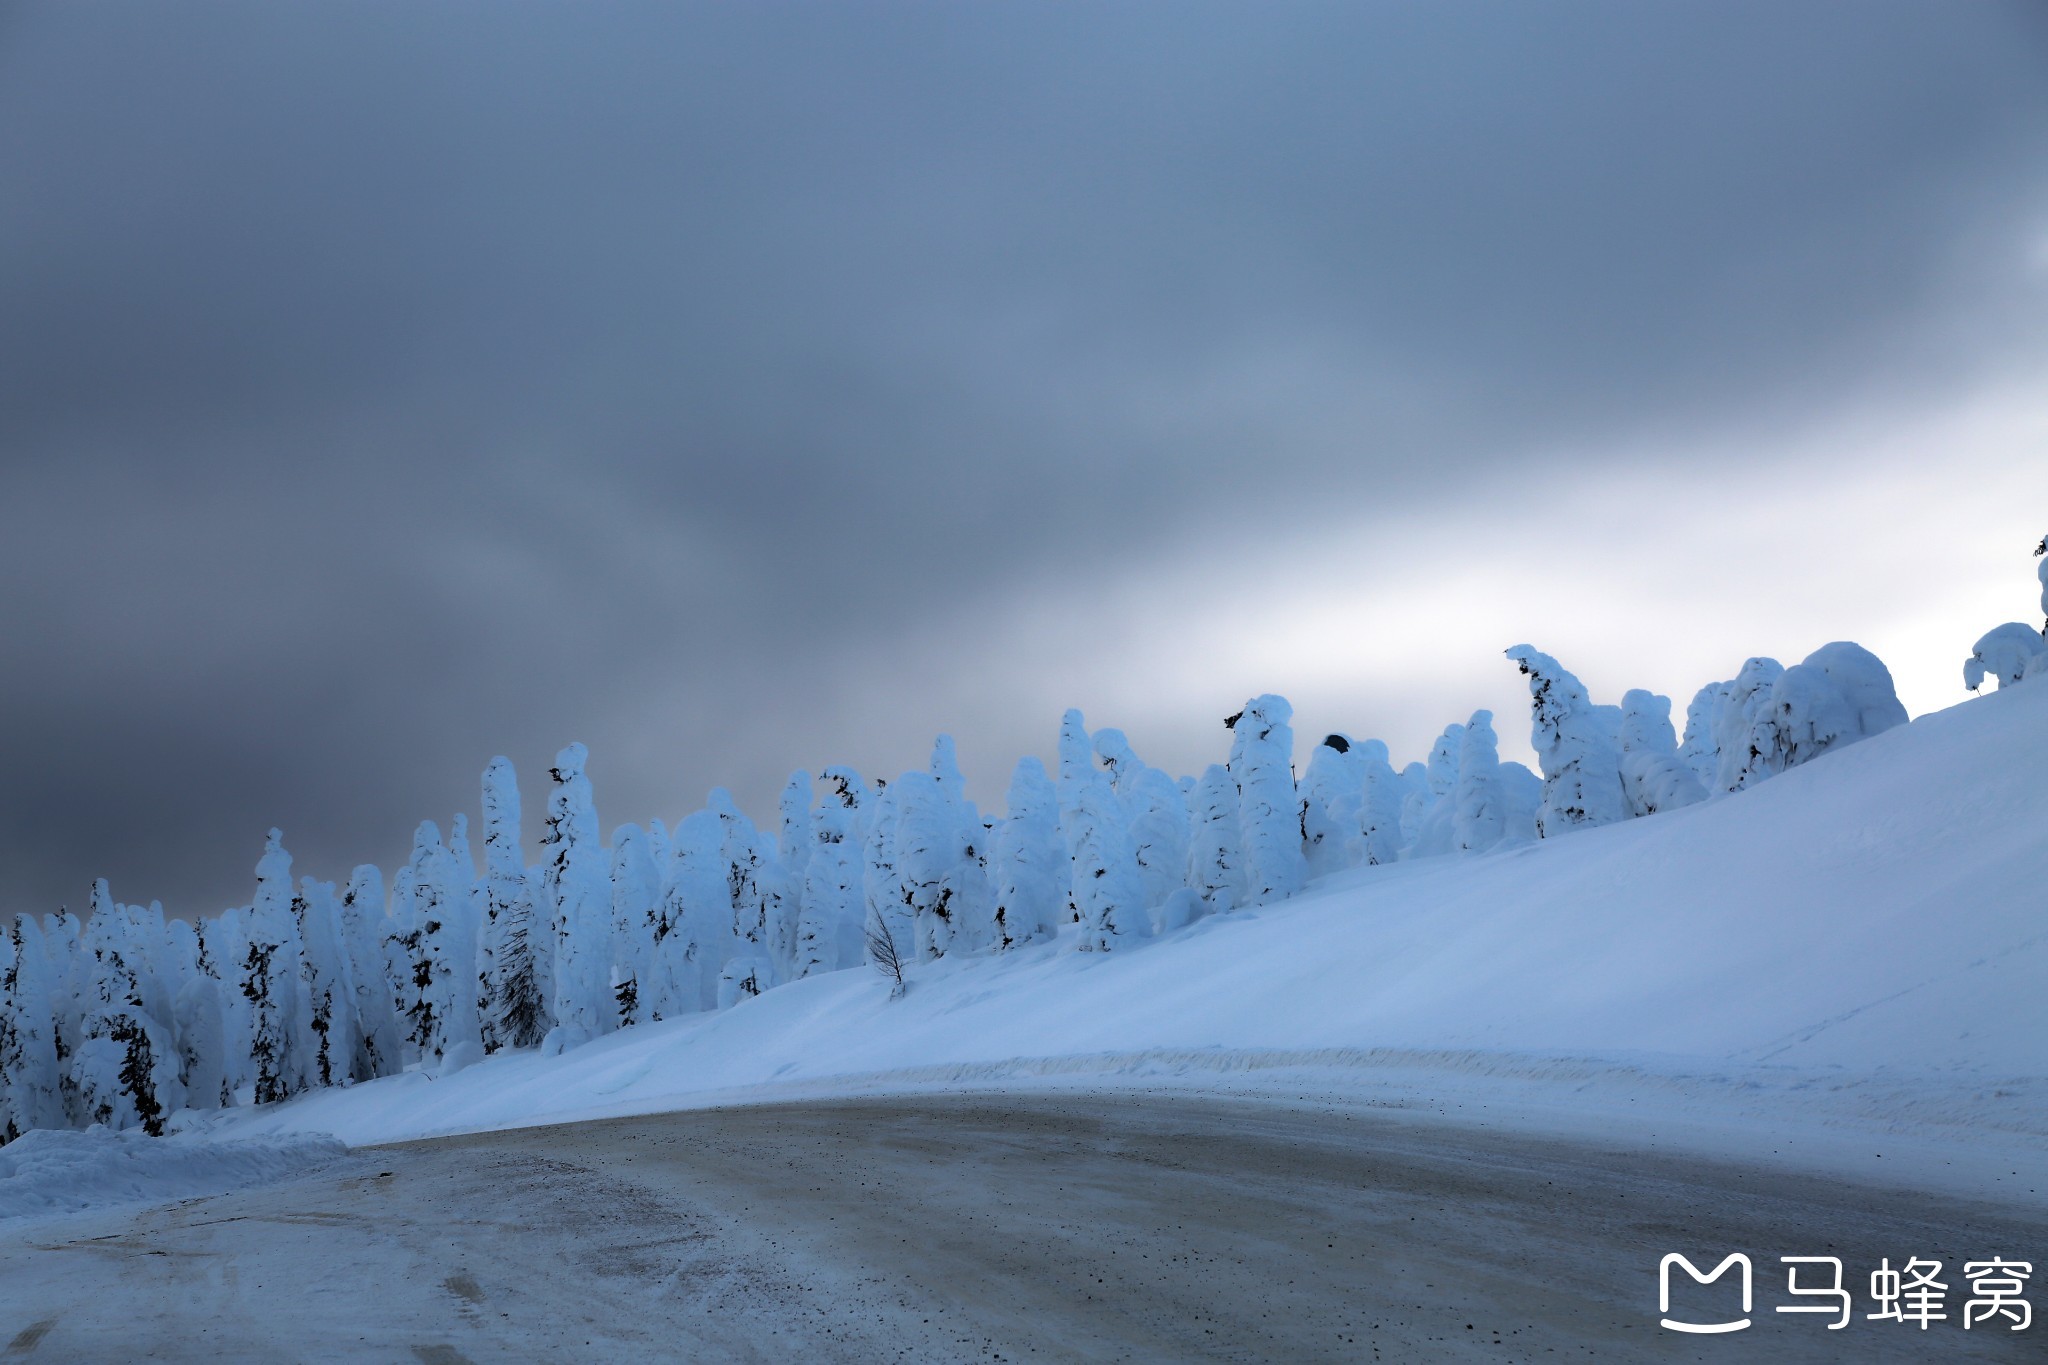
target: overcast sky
<point>742,387</point>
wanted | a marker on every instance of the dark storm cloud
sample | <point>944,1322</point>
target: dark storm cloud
<point>385,387</point>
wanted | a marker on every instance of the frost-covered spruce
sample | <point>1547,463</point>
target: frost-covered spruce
<point>1435,821</point>
<point>1331,792</point>
<point>636,904</point>
<point>2003,654</point>
<point>226,939</point>
<point>748,874</point>
<point>513,999</point>
<point>125,1068</point>
<point>1103,883</point>
<point>794,847</point>
<point>1157,811</point>
<point>970,894</point>
<point>881,889</point>
<point>1030,863</point>
<point>270,980</point>
<point>430,915</point>
<point>573,887</point>
<point>378,1050</point>
<point>925,852</point>
<point>28,1050</point>
<point>1837,695</point>
<point>1575,746</point>
<point>693,932</point>
<point>834,902</point>
<point>1865,684</point>
<point>1744,705</point>
<point>1653,776</point>
<point>1269,821</point>
<point>1381,793</point>
<point>325,975</point>
<point>1215,864</point>
<point>1479,819</point>
<point>1699,749</point>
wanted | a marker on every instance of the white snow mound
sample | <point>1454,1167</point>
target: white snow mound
<point>58,1170</point>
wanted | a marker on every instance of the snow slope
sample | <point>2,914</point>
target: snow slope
<point>1856,949</point>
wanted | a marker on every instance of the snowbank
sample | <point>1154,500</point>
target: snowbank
<point>61,1170</point>
<point>1858,946</point>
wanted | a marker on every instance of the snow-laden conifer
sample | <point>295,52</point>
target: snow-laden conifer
<point>518,942</point>
<point>1575,746</point>
<point>794,846</point>
<point>1215,860</point>
<point>1479,819</point>
<point>748,875</point>
<point>574,888</point>
<point>881,887</point>
<point>834,901</point>
<point>1030,863</point>
<point>2003,654</point>
<point>693,933</point>
<point>28,1031</point>
<point>1742,708</point>
<point>1653,776</point>
<point>1332,792</point>
<point>325,976</point>
<point>1865,684</point>
<point>364,928</point>
<point>1157,813</point>
<point>1379,807</point>
<point>1103,874</point>
<point>636,905</point>
<point>270,979</point>
<point>1269,821</point>
<point>1699,749</point>
<point>1434,821</point>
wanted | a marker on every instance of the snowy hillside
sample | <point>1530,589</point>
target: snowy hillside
<point>1858,946</point>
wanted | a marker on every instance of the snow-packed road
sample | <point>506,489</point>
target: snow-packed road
<point>982,1227</point>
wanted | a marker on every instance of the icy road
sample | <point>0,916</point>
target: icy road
<point>983,1227</point>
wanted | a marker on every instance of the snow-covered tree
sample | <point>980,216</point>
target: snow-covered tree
<point>1262,762</point>
<point>1215,862</point>
<point>1103,878</point>
<point>834,901</point>
<point>364,928</point>
<point>1479,818</point>
<point>2004,654</point>
<point>881,887</point>
<point>1331,794</point>
<point>1575,746</point>
<point>279,1043</point>
<point>1653,776</point>
<point>926,850</point>
<point>1700,750</point>
<point>29,1085</point>
<point>518,942</point>
<point>1434,822</point>
<point>693,930</point>
<point>430,915</point>
<point>748,871</point>
<point>1748,696</point>
<point>1837,695</point>
<point>325,979</point>
<point>1156,811</point>
<point>1030,863</point>
<point>636,904</point>
<point>575,891</point>
<point>794,846</point>
<point>1381,793</point>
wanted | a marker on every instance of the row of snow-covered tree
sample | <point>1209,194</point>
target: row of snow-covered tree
<point>126,1017</point>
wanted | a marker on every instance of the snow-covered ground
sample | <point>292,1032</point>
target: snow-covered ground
<point>1844,969</point>
<point>52,1171</point>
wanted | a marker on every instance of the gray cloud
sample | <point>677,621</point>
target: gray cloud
<point>381,389</point>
